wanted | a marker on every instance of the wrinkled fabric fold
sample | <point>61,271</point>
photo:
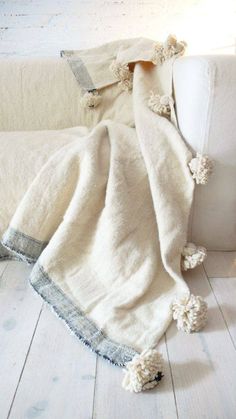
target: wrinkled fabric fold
<point>105,221</point>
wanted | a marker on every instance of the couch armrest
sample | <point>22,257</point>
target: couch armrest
<point>205,96</point>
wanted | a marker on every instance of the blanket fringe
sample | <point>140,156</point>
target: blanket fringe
<point>190,313</point>
<point>143,372</point>
<point>169,48</point>
<point>201,168</point>
<point>91,99</point>
<point>160,104</point>
<point>123,74</point>
<point>192,256</point>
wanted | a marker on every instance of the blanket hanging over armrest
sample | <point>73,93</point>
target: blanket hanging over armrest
<point>104,221</point>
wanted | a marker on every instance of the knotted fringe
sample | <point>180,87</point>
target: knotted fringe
<point>190,313</point>
<point>201,167</point>
<point>123,74</point>
<point>192,256</point>
<point>91,99</point>
<point>166,50</point>
<point>143,372</point>
<point>161,105</point>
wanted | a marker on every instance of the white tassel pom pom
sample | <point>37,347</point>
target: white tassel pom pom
<point>90,99</point>
<point>190,313</point>
<point>126,85</point>
<point>201,167</point>
<point>143,372</point>
<point>160,104</point>
<point>173,47</point>
<point>123,74</point>
<point>192,256</point>
<point>166,50</point>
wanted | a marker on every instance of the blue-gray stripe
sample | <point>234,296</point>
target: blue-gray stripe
<point>79,70</point>
<point>77,321</point>
<point>4,253</point>
<point>22,245</point>
<point>28,249</point>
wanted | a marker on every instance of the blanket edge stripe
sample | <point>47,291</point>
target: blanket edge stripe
<point>22,246</point>
<point>79,324</point>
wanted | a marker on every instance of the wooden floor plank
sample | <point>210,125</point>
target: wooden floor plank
<point>225,293</point>
<point>19,311</point>
<point>203,364</point>
<point>112,401</point>
<point>220,264</point>
<point>58,379</point>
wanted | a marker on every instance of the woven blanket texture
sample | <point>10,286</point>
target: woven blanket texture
<point>101,209</point>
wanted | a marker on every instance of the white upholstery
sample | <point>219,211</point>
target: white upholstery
<point>205,93</point>
<point>205,90</point>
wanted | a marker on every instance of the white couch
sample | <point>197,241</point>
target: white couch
<point>205,95</point>
<point>205,89</point>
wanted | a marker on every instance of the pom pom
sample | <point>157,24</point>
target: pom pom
<point>166,50</point>
<point>201,167</point>
<point>192,256</point>
<point>90,99</point>
<point>190,313</point>
<point>173,47</point>
<point>120,71</point>
<point>123,74</point>
<point>158,57</point>
<point>143,372</point>
<point>126,85</point>
<point>160,104</point>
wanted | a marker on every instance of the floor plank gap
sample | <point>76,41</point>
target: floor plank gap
<point>220,309</point>
<point>172,380</point>
<point>23,367</point>
<point>4,269</point>
<point>94,391</point>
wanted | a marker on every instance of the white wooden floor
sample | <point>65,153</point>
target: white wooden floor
<point>46,373</point>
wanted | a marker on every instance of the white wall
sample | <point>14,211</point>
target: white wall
<point>44,27</point>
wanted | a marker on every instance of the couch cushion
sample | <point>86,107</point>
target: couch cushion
<point>42,93</point>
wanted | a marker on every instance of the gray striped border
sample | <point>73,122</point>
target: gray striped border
<point>77,321</point>
<point>79,70</point>
<point>22,246</point>
<point>5,254</point>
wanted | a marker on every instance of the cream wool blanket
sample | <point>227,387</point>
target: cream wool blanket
<point>104,212</point>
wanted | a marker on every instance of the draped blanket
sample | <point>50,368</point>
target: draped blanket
<point>104,214</point>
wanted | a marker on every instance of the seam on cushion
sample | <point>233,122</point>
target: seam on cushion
<point>211,72</point>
